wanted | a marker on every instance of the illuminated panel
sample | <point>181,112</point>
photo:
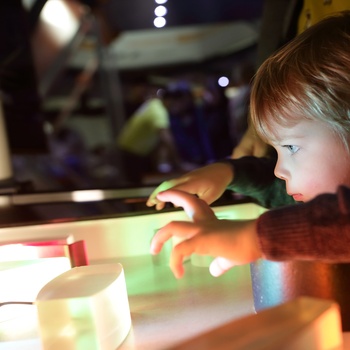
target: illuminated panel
<point>76,251</point>
<point>116,237</point>
<point>21,281</point>
<point>24,269</point>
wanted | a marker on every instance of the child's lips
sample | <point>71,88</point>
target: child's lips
<point>297,197</point>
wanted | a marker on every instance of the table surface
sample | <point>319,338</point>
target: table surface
<point>166,311</point>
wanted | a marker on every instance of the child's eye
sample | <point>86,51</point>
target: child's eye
<point>292,149</point>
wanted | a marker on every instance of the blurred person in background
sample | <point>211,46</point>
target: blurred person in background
<point>146,141</point>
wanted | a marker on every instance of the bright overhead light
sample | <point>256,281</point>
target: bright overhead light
<point>161,2</point>
<point>159,22</point>
<point>160,11</point>
<point>223,81</point>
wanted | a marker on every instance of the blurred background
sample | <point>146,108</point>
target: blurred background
<point>74,73</point>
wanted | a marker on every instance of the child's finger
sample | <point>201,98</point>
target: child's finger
<point>176,265</point>
<point>180,229</point>
<point>195,208</point>
<point>178,254</point>
<point>152,200</point>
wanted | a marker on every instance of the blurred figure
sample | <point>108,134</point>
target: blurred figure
<point>136,91</point>
<point>146,139</point>
<point>238,104</point>
<point>215,110</point>
<point>190,129</point>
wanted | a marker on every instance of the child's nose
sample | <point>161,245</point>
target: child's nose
<point>280,171</point>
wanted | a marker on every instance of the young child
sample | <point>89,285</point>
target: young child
<point>300,104</point>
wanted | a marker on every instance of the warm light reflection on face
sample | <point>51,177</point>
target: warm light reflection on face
<point>311,159</point>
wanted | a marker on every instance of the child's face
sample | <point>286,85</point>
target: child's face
<point>311,159</point>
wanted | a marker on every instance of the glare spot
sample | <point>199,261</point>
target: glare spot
<point>87,195</point>
<point>59,16</point>
<point>161,2</point>
<point>231,92</point>
<point>223,81</point>
<point>159,22</point>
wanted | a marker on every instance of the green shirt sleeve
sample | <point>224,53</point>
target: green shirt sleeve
<point>254,177</point>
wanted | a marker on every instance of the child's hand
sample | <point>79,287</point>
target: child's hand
<point>251,145</point>
<point>230,242</point>
<point>208,183</point>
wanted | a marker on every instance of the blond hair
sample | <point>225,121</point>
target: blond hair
<point>309,78</point>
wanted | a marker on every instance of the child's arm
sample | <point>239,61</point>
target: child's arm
<point>250,176</point>
<point>315,230</point>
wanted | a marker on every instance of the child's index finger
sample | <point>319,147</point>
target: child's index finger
<point>165,185</point>
<point>195,208</point>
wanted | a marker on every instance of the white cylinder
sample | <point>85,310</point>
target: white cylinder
<point>86,307</point>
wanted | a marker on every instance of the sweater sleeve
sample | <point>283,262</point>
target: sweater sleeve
<point>254,177</point>
<point>316,230</point>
